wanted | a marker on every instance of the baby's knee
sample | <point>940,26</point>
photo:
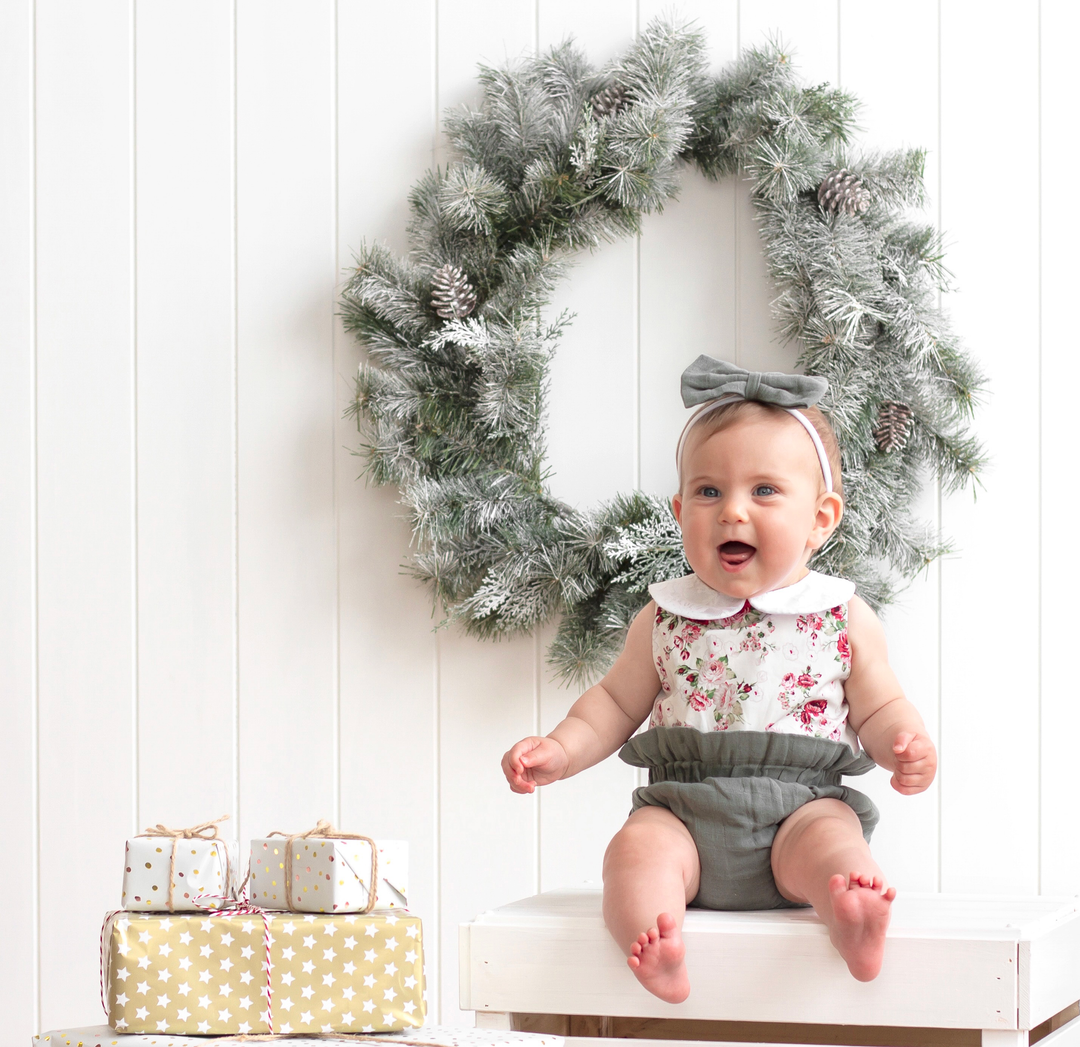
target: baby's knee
<point>818,820</point>
<point>648,833</point>
<point>629,844</point>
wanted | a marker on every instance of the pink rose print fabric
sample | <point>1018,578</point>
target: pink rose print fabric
<point>754,672</point>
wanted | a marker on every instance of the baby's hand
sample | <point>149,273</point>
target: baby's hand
<point>916,763</point>
<point>533,762</point>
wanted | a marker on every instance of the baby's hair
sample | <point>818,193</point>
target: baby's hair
<point>727,415</point>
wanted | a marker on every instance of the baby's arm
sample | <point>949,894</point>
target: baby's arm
<point>888,725</point>
<point>598,722</point>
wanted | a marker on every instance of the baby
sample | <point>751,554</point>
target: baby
<point>765,682</point>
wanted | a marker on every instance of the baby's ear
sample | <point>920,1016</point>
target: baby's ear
<point>830,513</point>
<point>676,507</point>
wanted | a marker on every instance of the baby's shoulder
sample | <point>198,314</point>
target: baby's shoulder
<point>864,626</point>
<point>641,628</point>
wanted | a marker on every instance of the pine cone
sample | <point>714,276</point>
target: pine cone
<point>843,191</point>
<point>611,100</point>
<point>452,296</point>
<point>894,426</point>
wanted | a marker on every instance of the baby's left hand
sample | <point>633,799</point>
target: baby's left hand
<point>916,763</point>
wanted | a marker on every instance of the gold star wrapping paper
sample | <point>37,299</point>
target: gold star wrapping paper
<point>206,974</point>
<point>329,875</point>
<point>202,868</point>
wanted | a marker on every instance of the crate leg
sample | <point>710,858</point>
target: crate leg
<point>500,1020</point>
<point>1005,1038</point>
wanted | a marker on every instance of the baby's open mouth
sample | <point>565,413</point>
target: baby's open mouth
<point>734,555</point>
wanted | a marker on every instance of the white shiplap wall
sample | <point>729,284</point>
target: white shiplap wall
<point>203,609</point>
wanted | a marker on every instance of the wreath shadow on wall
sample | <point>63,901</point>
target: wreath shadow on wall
<point>561,157</point>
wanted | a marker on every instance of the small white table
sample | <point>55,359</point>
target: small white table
<point>996,972</point>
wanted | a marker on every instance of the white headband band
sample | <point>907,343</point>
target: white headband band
<point>712,405</point>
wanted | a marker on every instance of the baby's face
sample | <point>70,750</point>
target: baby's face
<point>752,506</point>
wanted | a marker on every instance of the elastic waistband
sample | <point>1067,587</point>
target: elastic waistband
<point>683,754</point>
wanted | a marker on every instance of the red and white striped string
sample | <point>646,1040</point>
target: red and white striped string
<point>247,908</point>
<point>101,965</point>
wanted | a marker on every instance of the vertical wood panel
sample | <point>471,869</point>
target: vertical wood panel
<point>1060,574</point>
<point>388,711</point>
<point>579,816</point>
<point>18,974</point>
<point>591,431</point>
<point>85,484</point>
<point>487,693</point>
<point>810,29</point>
<point>185,418</point>
<point>990,777</point>
<point>603,29</point>
<point>592,435</point>
<point>285,292</point>
<point>891,65</point>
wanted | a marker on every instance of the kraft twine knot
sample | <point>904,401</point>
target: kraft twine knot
<point>202,831</point>
<point>325,830</point>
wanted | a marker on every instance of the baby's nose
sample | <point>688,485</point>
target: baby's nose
<point>733,510</point>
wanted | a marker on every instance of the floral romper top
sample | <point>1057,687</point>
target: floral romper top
<point>776,662</point>
<point>750,724</point>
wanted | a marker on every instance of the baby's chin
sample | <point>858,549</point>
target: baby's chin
<point>749,583</point>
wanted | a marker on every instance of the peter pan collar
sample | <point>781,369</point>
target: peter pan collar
<point>690,597</point>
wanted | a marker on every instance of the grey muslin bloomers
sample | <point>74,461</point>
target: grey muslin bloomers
<point>732,789</point>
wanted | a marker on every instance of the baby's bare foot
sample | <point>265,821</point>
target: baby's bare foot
<point>656,959</point>
<point>861,907</point>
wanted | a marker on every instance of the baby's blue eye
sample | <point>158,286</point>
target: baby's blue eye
<point>764,490</point>
<point>710,492</point>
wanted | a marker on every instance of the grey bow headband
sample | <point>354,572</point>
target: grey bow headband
<point>707,379</point>
<point>713,383</point>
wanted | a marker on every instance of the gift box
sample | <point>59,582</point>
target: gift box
<point>211,974</point>
<point>428,1036</point>
<point>173,870</point>
<point>328,874</point>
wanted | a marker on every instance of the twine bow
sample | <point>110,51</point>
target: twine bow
<point>708,379</point>
<point>202,831</point>
<point>325,831</point>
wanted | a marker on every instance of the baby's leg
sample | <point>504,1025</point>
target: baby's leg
<point>819,856</point>
<point>650,872</point>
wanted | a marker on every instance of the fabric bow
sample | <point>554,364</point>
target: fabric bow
<point>708,379</point>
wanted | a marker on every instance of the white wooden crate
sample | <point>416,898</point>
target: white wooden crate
<point>999,965</point>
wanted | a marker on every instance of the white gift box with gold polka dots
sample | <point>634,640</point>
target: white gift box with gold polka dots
<point>329,875</point>
<point>203,867</point>
<point>207,974</point>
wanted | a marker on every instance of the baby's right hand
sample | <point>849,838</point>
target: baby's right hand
<point>534,761</point>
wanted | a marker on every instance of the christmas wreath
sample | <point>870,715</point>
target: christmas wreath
<point>560,157</point>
